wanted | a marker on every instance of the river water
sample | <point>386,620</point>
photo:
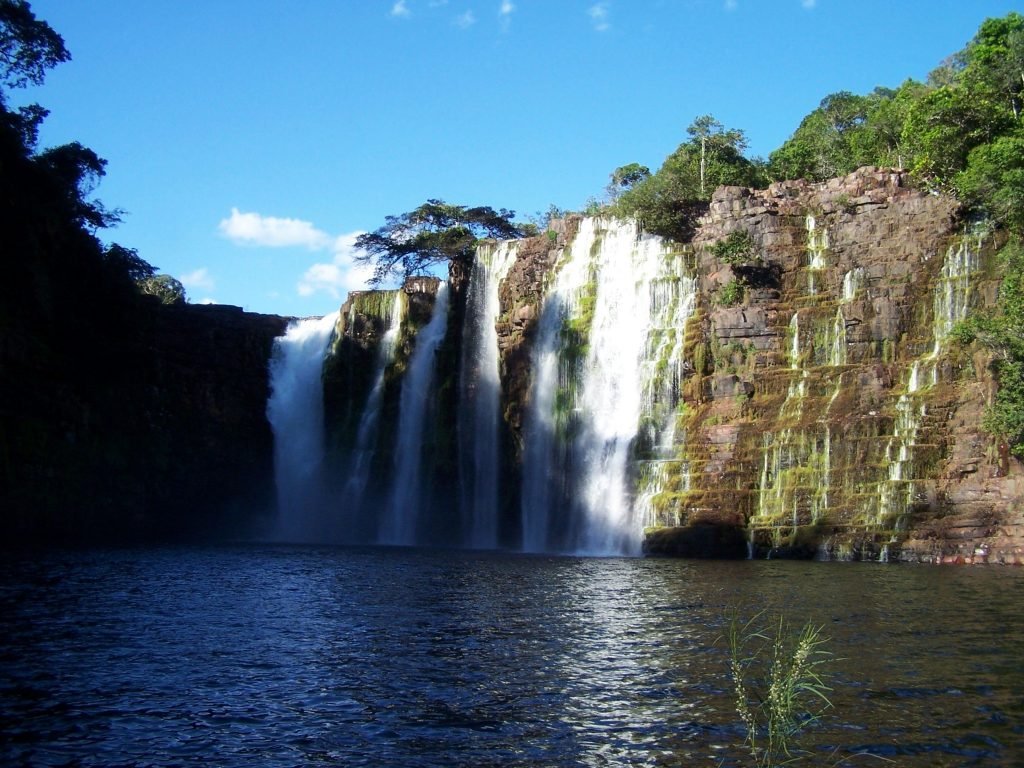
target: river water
<point>283,656</point>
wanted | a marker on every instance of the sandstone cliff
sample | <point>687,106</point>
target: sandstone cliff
<point>822,409</point>
<point>150,426</point>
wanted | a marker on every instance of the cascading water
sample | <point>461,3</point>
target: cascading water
<point>587,398</point>
<point>401,518</point>
<point>295,411</point>
<point>367,435</point>
<point>950,303</point>
<point>480,397</point>
<point>551,406</point>
<point>817,246</point>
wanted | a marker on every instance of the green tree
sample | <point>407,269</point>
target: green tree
<point>668,201</point>
<point>626,177</point>
<point>943,127</point>
<point>993,62</point>
<point>714,140</point>
<point>28,47</point>
<point>434,233</point>
<point>166,288</point>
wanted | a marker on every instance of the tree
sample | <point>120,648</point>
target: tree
<point>668,202</point>
<point>28,46</point>
<point>714,139</point>
<point>626,177</point>
<point>434,233</point>
<point>166,288</point>
<point>942,128</point>
<point>993,62</point>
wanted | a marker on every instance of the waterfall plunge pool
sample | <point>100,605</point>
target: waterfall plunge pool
<point>281,656</point>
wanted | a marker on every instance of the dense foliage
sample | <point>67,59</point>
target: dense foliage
<point>961,132</point>
<point>434,233</point>
<point>668,202</point>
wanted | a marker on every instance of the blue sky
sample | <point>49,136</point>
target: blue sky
<point>250,141</point>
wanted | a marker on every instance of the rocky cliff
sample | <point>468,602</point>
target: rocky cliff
<point>822,409</point>
<point>148,425</point>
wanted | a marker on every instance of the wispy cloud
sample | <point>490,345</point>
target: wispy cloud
<point>338,276</point>
<point>270,231</point>
<point>465,20</point>
<point>197,279</point>
<point>808,4</point>
<point>730,5</point>
<point>505,11</point>
<point>401,9</point>
<point>598,14</point>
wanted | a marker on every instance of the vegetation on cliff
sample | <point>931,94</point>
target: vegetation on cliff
<point>961,132</point>
<point>125,412</point>
<point>434,233</point>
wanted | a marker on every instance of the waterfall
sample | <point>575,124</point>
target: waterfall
<point>588,394</point>
<point>480,397</point>
<point>950,302</point>
<point>367,433</point>
<point>552,404</point>
<point>817,246</point>
<point>401,518</point>
<point>295,411</point>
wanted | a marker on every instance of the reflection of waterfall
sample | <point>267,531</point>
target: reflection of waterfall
<point>588,396</point>
<point>295,411</point>
<point>402,516</point>
<point>367,434</point>
<point>480,397</point>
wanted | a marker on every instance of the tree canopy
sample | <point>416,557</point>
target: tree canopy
<point>28,46</point>
<point>433,233</point>
<point>666,202</point>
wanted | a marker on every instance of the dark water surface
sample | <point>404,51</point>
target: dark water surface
<point>263,656</point>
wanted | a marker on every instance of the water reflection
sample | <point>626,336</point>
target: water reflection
<point>410,658</point>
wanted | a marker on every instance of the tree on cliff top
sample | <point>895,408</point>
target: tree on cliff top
<point>434,233</point>
<point>668,201</point>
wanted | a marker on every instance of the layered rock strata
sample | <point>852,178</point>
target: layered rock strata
<point>828,414</point>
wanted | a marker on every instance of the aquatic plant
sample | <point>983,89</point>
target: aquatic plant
<point>779,685</point>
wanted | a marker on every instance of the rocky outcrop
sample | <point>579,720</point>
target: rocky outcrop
<point>520,298</point>
<point>825,411</point>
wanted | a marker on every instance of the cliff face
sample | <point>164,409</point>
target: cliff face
<point>150,426</point>
<point>822,409</point>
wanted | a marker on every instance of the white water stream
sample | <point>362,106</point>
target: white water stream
<point>402,516</point>
<point>479,416</point>
<point>295,411</point>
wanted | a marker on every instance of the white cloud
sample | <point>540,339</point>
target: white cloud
<point>465,20</point>
<point>270,231</point>
<point>338,276</point>
<point>401,9</point>
<point>505,13</point>
<point>598,14</point>
<point>197,279</point>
